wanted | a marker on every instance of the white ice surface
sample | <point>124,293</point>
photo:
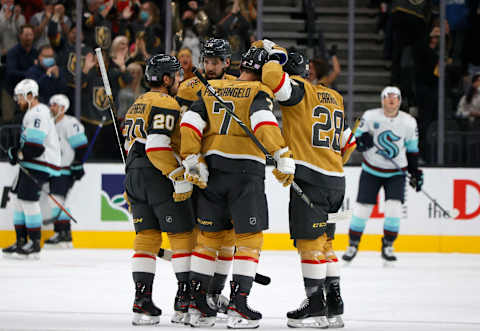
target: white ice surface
<point>93,290</point>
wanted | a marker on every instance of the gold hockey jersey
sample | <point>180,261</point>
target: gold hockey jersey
<point>209,129</point>
<point>313,125</point>
<point>188,89</point>
<point>152,132</point>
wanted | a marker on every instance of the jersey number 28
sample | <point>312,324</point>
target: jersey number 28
<point>325,125</point>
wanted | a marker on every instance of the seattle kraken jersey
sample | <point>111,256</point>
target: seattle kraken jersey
<point>152,132</point>
<point>38,128</point>
<point>72,136</point>
<point>394,136</point>
<point>209,129</point>
<point>188,89</point>
<point>313,126</point>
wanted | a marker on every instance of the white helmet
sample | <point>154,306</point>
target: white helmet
<point>391,90</point>
<point>61,100</point>
<point>26,87</point>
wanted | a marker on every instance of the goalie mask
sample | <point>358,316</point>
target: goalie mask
<point>254,59</point>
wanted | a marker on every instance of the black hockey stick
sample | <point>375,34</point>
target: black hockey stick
<point>259,278</point>
<point>295,186</point>
<point>50,195</point>
<point>451,214</point>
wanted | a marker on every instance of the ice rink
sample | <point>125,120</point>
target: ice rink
<point>93,290</point>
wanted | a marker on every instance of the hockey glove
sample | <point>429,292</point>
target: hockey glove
<point>364,142</point>
<point>285,169</point>
<point>275,52</point>
<point>182,188</point>
<point>77,170</point>
<point>196,171</point>
<point>13,155</point>
<point>416,179</point>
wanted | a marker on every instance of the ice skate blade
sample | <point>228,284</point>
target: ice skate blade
<point>389,264</point>
<point>60,245</point>
<point>236,321</point>
<point>222,319</point>
<point>142,319</point>
<point>199,321</point>
<point>180,318</point>
<point>335,322</point>
<point>15,256</point>
<point>319,322</point>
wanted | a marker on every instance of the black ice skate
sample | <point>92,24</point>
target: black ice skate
<point>387,251</point>
<point>30,250</point>
<point>180,306</point>
<point>240,315</point>
<point>200,313</point>
<point>350,253</point>
<point>311,314</point>
<point>144,310</point>
<point>334,306</point>
<point>61,239</point>
<point>11,251</point>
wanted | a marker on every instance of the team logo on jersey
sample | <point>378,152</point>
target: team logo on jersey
<point>103,37</point>
<point>114,208</point>
<point>386,140</point>
<point>100,98</point>
<point>72,63</point>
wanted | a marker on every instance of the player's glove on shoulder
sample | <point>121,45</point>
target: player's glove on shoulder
<point>275,52</point>
<point>364,142</point>
<point>285,169</point>
<point>182,188</point>
<point>196,171</point>
<point>416,179</point>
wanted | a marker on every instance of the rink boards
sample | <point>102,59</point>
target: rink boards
<point>97,203</point>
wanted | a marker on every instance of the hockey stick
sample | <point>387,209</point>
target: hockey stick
<point>450,214</point>
<point>90,146</point>
<point>29,175</point>
<point>295,186</point>
<point>111,104</point>
<point>259,278</point>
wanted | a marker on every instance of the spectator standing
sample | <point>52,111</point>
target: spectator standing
<point>51,19</point>
<point>96,27</point>
<point>128,94</point>
<point>186,61</point>
<point>47,74</point>
<point>321,72</point>
<point>11,19</point>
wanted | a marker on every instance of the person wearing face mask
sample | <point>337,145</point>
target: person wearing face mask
<point>47,74</point>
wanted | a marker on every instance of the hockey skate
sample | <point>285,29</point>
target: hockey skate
<point>240,315</point>
<point>10,252</point>
<point>30,250</point>
<point>311,314</point>
<point>387,253</point>
<point>218,302</point>
<point>61,239</point>
<point>200,313</point>
<point>350,253</point>
<point>334,306</point>
<point>144,310</point>
<point>180,307</point>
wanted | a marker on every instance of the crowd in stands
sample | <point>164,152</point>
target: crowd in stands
<point>38,41</point>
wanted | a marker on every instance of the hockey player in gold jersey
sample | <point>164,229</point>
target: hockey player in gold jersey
<point>314,128</point>
<point>155,187</point>
<point>233,184</point>
<point>215,58</point>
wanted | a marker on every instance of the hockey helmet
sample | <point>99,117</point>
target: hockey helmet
<point>159,65</point>
<point>216,48</point>
<point>391,90</point>
<point>254,59</point>
<point>297,63</point>
<point>61,100</point>
<point>26,87</point>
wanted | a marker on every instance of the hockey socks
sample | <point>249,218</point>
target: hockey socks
<point>143,273</point>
